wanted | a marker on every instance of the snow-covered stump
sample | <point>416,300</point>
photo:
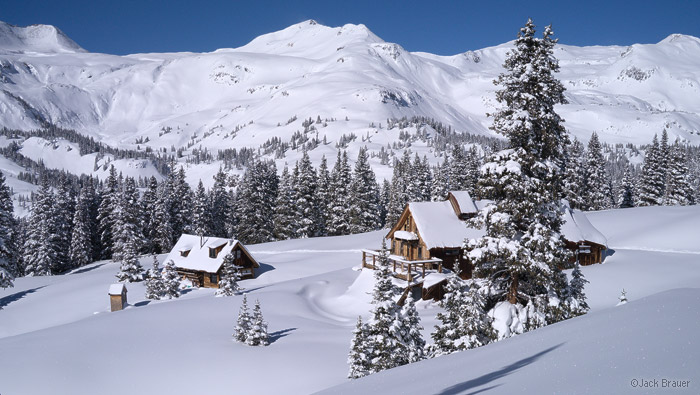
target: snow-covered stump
<point>117,297</point>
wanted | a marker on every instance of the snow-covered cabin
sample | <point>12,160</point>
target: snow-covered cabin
<point>588,244</point>
<point>200,259</point>
<point>428,230</point>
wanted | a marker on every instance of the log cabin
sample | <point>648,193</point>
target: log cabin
<point>433,233</point>
<point>200,259</point>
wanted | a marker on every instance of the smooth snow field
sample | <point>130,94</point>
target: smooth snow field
<point>57,335</point>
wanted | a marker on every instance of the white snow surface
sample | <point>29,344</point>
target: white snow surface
<point>311,293</point>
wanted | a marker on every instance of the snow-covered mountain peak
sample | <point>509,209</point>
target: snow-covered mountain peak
<point>35,38</point>
<point>309,39</point>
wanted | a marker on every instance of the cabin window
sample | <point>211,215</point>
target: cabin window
<point>212,252</point>
<point>238,254</point>
<point>213,278</point>
<point>185,253</point>
<point>420,252</point>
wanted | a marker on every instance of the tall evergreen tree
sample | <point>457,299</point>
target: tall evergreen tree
<point>338,208</point>
<point>40,247</point>
<point>678,191</point>
<point>364,196</point>
<point>305,198</point>
<point>162,223</point>
<point>149,224</point>
<point>81,248</point>
<point>323,196</point>
<point>220,205</point>
<point>200,212</point>
<point>127,234</point>
<point>63,220</point>
<point>651,183</point>
<point>522,252</point>
<point>8,229</point>
<point>412,342</point>
<point>441,186</point>
<point>575,175</point>
<point>130,269</point>
<point>596,182</point>
<point>627,190</point>
<point>109,197</point>
<point>285,212</point>
<point>400,181</point>
<point>256,197</point>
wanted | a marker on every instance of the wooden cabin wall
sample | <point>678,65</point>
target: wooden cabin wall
<point>449,259</point>
<point>409,249</point>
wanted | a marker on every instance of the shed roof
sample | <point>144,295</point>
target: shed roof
<point>576,227</point>
<point>116,289</point>
<point>464,202</point>
<point>198,258</point>
<point>438,225</point>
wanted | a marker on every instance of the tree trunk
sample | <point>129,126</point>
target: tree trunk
<point>513,290</point>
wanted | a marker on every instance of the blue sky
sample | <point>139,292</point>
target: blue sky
<point>442,27</point>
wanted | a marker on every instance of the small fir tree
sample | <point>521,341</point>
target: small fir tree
<point>155,288</point>
<point>257,336</point>
<point>627,192</point>
<point>358,359</point>
<point>412,342</point>
<point>622,298</point>
<point>244,323</point>
<point>171,280</point>
<point>576,300</point>
<point>228,284</point>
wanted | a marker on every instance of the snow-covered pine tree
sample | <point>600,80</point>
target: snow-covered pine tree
<point>155,289</point>
<point>358,358</point>
<point>163,226</point>
<point>257,336</point>
<point>244,322</point>
<point>460,179</point>
<point>200,212</point>
<point>596,182</point>
<point>323,196</point>
<point>623,298</point>
<point>423,181</point>
<point>81,248</point>
<point>130,269</point>
<point>664,156</point>
<point>255,198</point>
<point>220,204</point>
<point>180,205</point>
<point>341,178</point>
<point>149,201</point>
<point>383,340</point>
<point>109,197</point>
<point>473,165</point>
<point>627,190</point>
<point>522,252</point>
<point>412,342</point>
<point>228,284</point>
<point>400,182</point>
<point>464,324</point>
<point>575,175</point>
<point>384,197</point>
<point>127,223</point>
<point>305,198</point>
<point>63,220</point>
<point>171,280</point>
<point>364,196</point>
<point>440,187</point>
<point>285,218</point>
<point>678,191</point>
<point>40,248</point>
<point>651,182</point>
<point>8,249</point>
<point>576,298</point>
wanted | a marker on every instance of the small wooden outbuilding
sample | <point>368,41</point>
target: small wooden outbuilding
<point>117,296</point>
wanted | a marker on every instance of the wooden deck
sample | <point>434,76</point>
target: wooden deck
<point>403,268</point>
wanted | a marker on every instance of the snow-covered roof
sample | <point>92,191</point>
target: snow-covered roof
<point>405,235</point>
<point>464,202</point>
<point>198,257</point>
<point>576,227</point>
<point>116,289</point>
<point>438,225</point>
<point>433,278</point>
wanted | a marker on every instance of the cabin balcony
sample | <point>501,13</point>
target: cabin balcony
<point>403,268</point>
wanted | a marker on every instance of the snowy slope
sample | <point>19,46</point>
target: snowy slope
<point>311,296</point>
<point>626,94</point>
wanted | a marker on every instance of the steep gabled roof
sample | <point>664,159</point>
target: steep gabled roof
<point>438,225</point>
<point>576,228</point>
<point>198,257</point>
<point>464,205</point>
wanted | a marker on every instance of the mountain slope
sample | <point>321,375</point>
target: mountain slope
<point>626,94</point>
